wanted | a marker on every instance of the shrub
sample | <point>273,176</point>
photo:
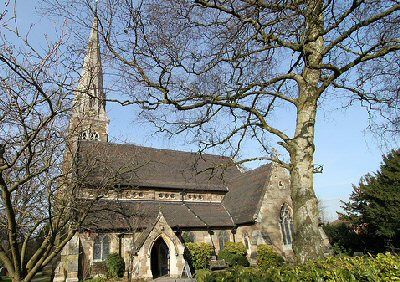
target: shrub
<point>383,267</point>
<point>203,275</point>
<point>115,265</point>
<point>96,279</point>
<point>199,254</point>
<point>267,257</point>
<point>235,248</point>
<point>234,254</point>
<point>343,239</point>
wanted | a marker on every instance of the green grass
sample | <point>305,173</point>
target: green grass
<point>5,279</point>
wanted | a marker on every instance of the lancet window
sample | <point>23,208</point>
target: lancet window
<point>286,222</point>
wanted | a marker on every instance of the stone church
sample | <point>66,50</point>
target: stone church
<point>153,200</point>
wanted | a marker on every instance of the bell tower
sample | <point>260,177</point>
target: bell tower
<point>89,119</point>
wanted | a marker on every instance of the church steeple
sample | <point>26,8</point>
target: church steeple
<point>89,117</point>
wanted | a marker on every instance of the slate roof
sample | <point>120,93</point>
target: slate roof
<point>126,164</point>
<point>134,215</point>
<point>137,166</point>
<point>245,194</point>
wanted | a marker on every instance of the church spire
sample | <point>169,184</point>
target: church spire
<point>89,108</point>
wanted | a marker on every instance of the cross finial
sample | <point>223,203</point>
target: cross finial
<point>275,153</point>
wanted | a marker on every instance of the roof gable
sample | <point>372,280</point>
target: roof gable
<point>246,192</point>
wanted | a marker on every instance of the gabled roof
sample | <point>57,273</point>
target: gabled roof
<point>149,167</point>
<point>132,165</point>
<point>246,192</point>
<point>109,215</point>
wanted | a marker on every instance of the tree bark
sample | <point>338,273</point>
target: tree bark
<point>307,237</point>
<point>308,242</point>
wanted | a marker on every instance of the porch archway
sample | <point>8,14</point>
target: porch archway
<point>160,264</point>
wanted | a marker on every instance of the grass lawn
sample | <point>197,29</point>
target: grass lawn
<point>5,279</point>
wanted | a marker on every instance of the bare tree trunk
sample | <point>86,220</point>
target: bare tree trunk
<point>307,238</point>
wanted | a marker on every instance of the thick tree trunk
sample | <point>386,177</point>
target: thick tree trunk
<point>308,241</point>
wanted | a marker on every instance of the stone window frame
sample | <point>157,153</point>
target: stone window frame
<point>104,243</point>
<point>89,135</point>
<point>94,135</point>
<point>84,135</point>
<point>286,224</point>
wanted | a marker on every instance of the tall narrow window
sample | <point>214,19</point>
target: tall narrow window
<point>101,248</point>
<point>223,238</point>
<point>286,226</point>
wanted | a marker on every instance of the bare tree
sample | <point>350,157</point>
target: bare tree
<point>38,191</point>
<point>228,68</point>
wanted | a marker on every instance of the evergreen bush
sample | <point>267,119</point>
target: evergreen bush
<point>199,255</point>
<point>115,265</point>
<point>203,275</point>
<point>234,254</point>
<point>383,267</point>
<point>267,257</point>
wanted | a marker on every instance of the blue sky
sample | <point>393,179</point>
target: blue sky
<point>343,145</point>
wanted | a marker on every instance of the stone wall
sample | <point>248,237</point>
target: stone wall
<point>68,267</point>
<point>267,229</point>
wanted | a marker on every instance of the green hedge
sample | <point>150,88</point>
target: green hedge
<point>383,267</point>
<point>267,257</point>
<point>115,266</point>
<point>199,254</point>
<point>234,254</point>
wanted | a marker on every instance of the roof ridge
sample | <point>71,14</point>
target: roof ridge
<point>189,209</point>
<point>159,149</point>
<point>227,211</point>
<point>252,171</point>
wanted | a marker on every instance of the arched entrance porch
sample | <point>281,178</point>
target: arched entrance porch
<point>160,263</point>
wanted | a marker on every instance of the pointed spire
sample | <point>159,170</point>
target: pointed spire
<point>96,4</point>
<point>89,97</point>
<point>91,82</point>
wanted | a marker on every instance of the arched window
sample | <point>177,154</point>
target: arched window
<point>286,225</point>
<point>101,248</point>
<point>83,135</point>
<point>94,135</point>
